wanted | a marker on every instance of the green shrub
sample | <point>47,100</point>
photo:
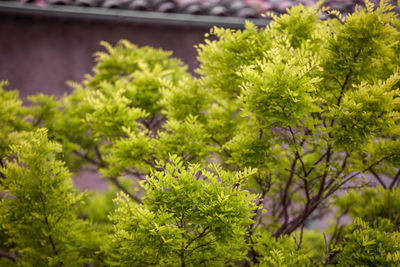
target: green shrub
<point>229,169</point>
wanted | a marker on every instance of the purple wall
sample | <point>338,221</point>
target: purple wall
<point>40,55</point>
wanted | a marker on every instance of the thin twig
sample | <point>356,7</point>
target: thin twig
<point>285,205</point>
<point>377,177</point>
<point>123,189</point>
<point>301,236</point>
<point>87,158</point>
<point>345,180</point>
<point>113,180</point>
<point>222,147</point>
<point>316,163</point>
<point>135,173</point>
<point>327,162</point>
<point>396,178</point>
<point>203,233</point>
<point>199,246</point>
<point>346,80</point>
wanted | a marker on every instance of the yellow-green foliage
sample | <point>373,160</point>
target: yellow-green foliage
<point>281,252</point>
<point>369,246</point>
<point>189,217</point>
<point>38,206</point>
<point>12,118</point>
<point>373,205</point>
<point>288,115</point>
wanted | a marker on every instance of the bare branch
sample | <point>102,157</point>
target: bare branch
<point>227,153</point>
<point>291,226</point>
<point>395,178</point>
<point>327,162</point>
<point>123,189</point>
<point>344,163</point>
<point>285,202</point>
<point>301,238</point>
<point>377,177</point>
<point>345,180</point>
<point>135,173</point>
<point>316,163</point>
<point>89,159</point>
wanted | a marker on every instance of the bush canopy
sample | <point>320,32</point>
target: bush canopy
<point>287,128</point>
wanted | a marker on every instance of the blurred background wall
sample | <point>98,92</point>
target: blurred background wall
<point>44,43</point>
<point>40,55</point>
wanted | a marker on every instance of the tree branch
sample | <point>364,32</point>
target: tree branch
<point>2,165</point>
<point>345,180</point>
<point>221,146</point>
<point>123,189</point>
<point>88,159</point>
<point>316,163</point>
<point>377,177</point>
<point>285,196</point>
<point>322,187</point>
<point>203,233</point>
<point>346,80</point>
<point>7,256</point>
<point>199,246</point>
<point>316,201</point>
<point>113,180</point>
<point>396,178</point>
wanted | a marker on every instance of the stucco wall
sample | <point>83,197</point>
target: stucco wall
<point>41,54</point>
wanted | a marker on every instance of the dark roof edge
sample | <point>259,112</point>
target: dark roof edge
<point>127,16</point>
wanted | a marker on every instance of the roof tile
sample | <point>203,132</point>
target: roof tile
<point>234,8</point>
